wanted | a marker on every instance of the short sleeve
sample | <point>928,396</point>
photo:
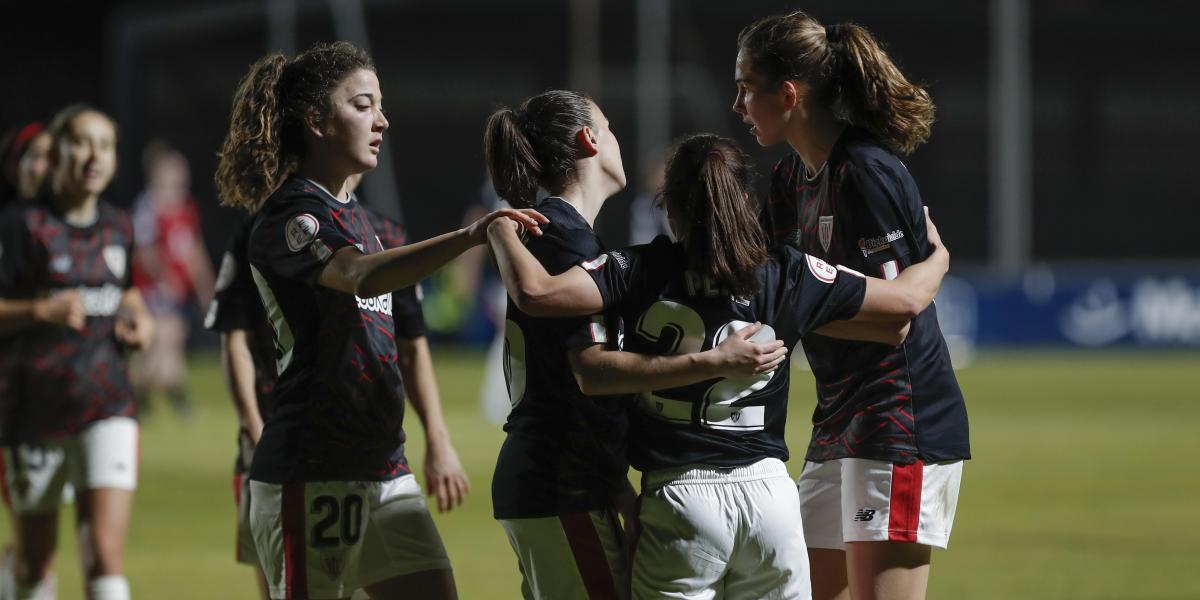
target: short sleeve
<point>887,226</point>
<point>814,292</point>
<point>296,237</point>
<point>407,314</point>
<point>619,273</point>
<point>235,302</point>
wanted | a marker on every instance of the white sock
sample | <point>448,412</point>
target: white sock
<point>109,587</point>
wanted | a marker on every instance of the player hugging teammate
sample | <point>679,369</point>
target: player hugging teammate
<point>333,504</point>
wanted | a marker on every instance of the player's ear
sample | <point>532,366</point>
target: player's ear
<point>588,142</point>
<point>314,123</point>
<point>791,94</point>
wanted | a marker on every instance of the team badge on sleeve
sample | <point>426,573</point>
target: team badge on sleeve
<point>301,230</point>
<point>114,257</point>
<point>821,269</point>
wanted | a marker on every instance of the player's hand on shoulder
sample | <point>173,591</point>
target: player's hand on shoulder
<point>737,356</point>
<point>445,478</point>
<point>517,218</point>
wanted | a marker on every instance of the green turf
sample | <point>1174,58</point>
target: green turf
<point>1080,487</point>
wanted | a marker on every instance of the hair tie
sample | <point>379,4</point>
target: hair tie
<point>718,154</point>
<point>834,33</point>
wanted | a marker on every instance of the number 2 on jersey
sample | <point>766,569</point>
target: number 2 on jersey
<point>681,330</point>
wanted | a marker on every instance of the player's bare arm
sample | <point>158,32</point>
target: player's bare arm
<point>239,373</point>
<point>531,288</point>
<point>601,372</point>
<point>445,478</point>
<point>369,275</point>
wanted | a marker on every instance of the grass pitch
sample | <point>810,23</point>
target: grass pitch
<point>1083,485</point>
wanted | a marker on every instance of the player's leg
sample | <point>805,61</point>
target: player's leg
<point>34,478</point>
<point>402,552</point>
<point>104,475</point>
<point>770,559</point>
<point>576,555</point>
<point>820,492</point>
<point>900,512</point>
<point>685,538</point>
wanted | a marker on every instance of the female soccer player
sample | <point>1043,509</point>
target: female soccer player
<point>334,505</point>
<point>65,280</point>
<point>719,514</point>
<point>248,355</point>
<point>561,474</point>
<point>881,481</point>
<point>24,160</point>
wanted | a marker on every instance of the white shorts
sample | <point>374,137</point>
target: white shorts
<point>576,555</point>
<point>324,539</point>
<point>861,500</point>
<point>103,455</point>
<point>243,548</point>
<point>720,533</point>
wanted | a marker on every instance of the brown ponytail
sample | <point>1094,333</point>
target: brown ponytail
<point>534,146</point>
<point>707,188</point>
<point>251,162</point>
<point>265,142</point>
<point>846,66</point>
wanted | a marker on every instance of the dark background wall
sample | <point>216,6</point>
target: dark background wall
<point>1116,104</point>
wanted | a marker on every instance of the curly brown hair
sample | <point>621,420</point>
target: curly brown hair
<point>273,102</point>
<point>843,63</point>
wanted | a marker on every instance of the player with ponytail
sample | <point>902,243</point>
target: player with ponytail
<point>890,433</point>
<point>333,503</point>
<point>719,513</point>
<point>560,478</point>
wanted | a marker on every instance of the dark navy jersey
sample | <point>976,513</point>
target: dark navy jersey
<point>235,305</point>
<point>406,302</point>
<point>668,309</point>
<point>565,452</point>
<point>67,379</point>
<point>339,402</point>
<point>863,211</point>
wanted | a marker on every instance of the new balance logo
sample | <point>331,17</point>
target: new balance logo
<point>864,514</point>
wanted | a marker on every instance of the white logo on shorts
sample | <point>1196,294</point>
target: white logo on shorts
<point>301,230</point>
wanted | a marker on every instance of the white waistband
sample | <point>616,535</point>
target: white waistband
<point>707,474</point>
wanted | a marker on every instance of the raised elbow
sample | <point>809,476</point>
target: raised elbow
<point>531,299</point>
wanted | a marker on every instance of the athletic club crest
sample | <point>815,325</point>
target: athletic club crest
<point>825,231</point>
<point>114,257</point>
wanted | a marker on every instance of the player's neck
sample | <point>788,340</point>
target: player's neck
<point>78,210</point>
<point>586,201</point>
<point>331,179</point>
<point>813,140</point>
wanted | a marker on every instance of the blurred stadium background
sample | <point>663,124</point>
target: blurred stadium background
<point>1059,172</point>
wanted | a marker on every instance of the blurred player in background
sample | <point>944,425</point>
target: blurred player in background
<point>880,485</point>
<point>718,511</point>
<point>248,354</point>
<point>24,160</point>
<point>334,505</point>
<point>561,476</point>
<point>65,276</point>
<point>173,273</point>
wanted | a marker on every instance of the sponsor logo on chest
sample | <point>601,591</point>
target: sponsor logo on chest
<point>380,304</point>
<point>870,246</point>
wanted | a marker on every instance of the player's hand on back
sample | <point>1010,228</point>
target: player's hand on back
<point>525,218</point>
<point>445,478</point>
<point>62,308</point>
<point>737,356</point>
